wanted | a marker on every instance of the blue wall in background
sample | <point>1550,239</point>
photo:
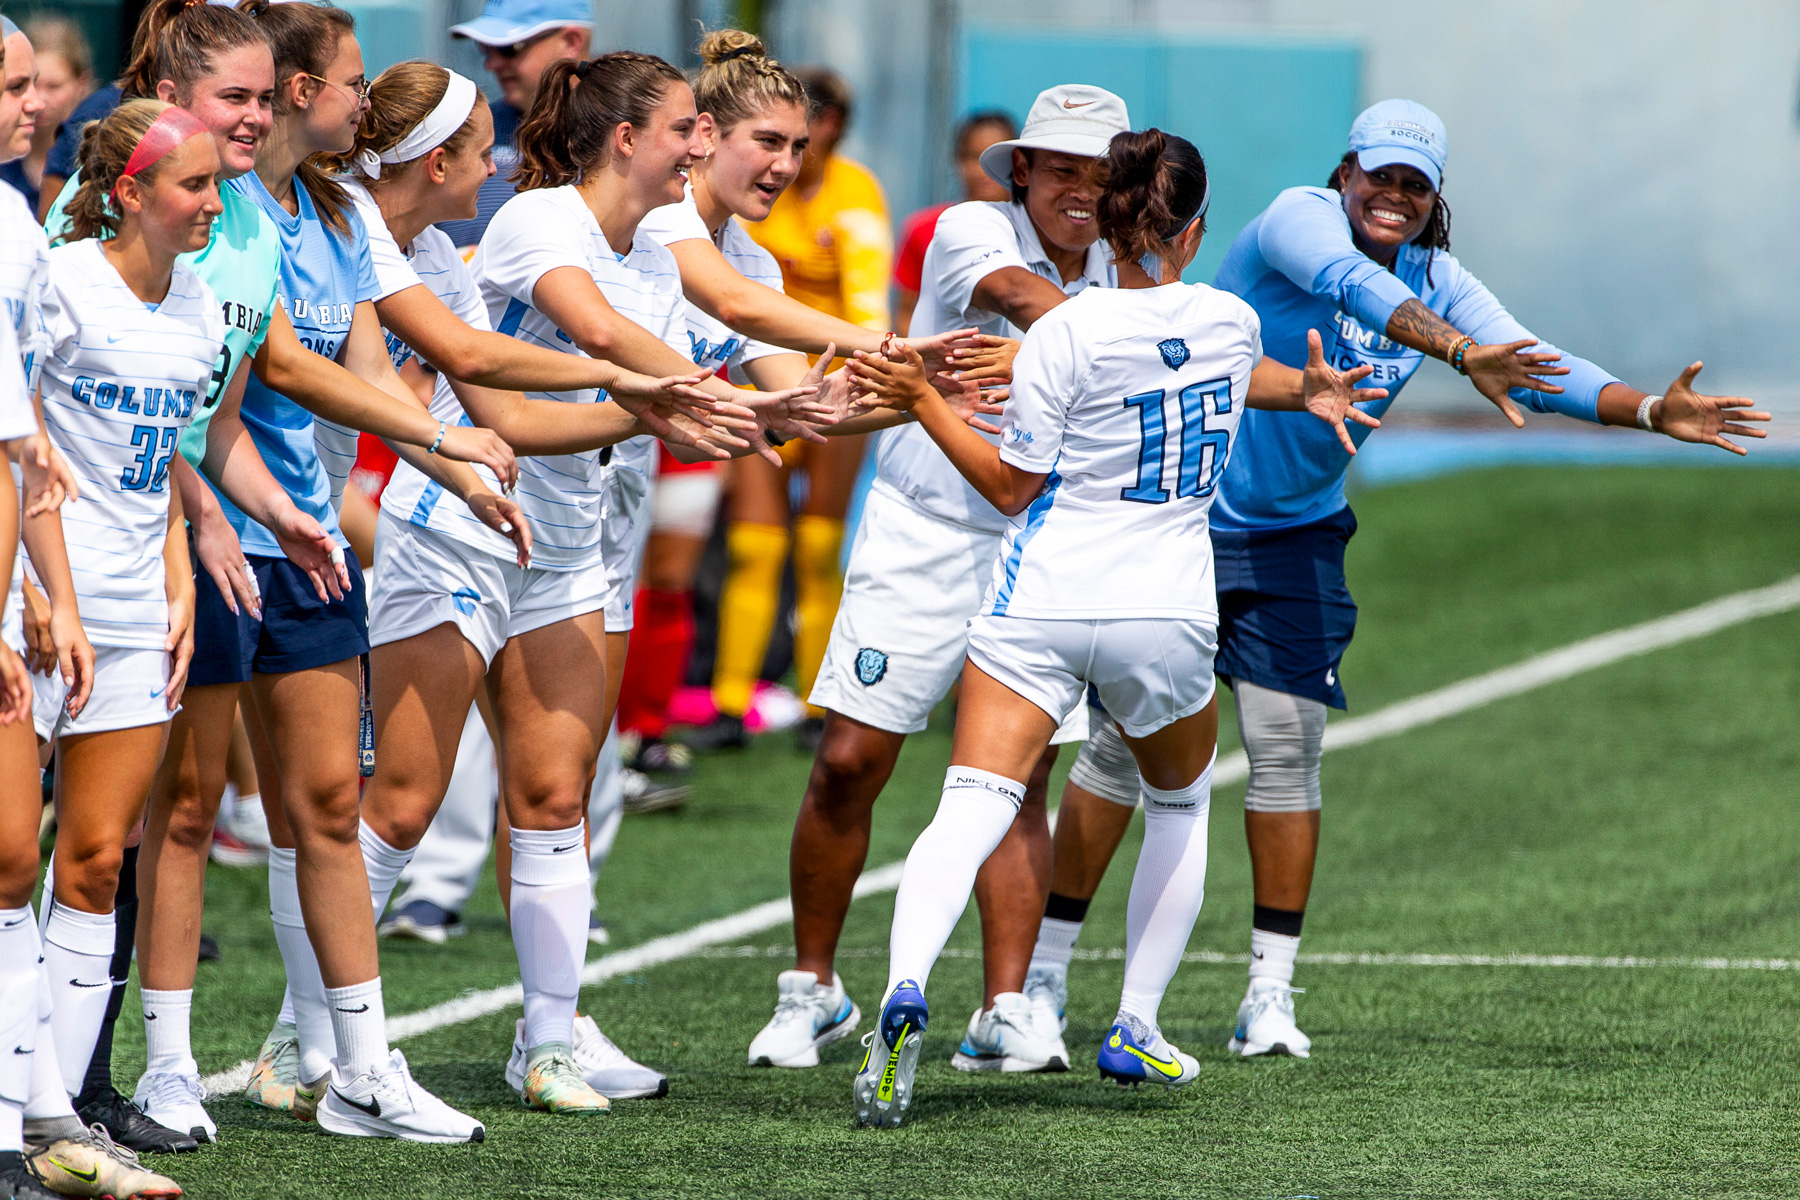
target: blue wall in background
<point>1268,112</point>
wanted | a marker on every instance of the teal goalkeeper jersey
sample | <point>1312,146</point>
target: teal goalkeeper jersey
<point>241,264</point>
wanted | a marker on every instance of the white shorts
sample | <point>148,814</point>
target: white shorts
<point>622,543</point>
<point>1149,671</point>
<point>686,502</point>
<point>902,627</point>
<point>428,578</point>
<point>130,686</point>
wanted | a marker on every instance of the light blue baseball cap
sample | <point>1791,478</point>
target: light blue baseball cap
<point>7,28</point>
<point>1401,131</point>
<point>508,22</point>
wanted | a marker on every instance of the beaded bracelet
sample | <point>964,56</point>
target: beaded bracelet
<point>438,441</point>
<point>1455,357</point>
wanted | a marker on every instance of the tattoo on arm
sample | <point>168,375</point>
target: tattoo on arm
<point>1416,326</point>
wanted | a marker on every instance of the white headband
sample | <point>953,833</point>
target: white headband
<point>429,134</point>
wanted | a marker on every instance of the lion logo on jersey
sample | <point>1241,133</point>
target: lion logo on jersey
<point>871,666</point>
<point>1174,352</point>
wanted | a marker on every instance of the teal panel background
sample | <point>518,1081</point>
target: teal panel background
<point>1267,112</point>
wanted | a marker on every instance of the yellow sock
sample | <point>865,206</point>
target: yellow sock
<point>747,611</point>
<point>818,585</point>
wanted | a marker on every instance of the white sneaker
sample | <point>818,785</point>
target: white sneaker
<point>389,1104</point>
<point>808,1015</point>
<point>1009,1038</point>
<point>1048,990</point>
<point>1265,1022</point>
<point>247,822</point>
<point>173,1101</point>
<point>606,1068</point>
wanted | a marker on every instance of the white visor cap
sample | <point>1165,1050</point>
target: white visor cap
<point>1072,118</point>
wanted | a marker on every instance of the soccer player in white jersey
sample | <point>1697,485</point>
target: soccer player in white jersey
<point>1124,403</point>
<point>132,337</point>
<point>444,603</point>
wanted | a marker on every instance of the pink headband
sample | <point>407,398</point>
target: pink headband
<point>172,127</point>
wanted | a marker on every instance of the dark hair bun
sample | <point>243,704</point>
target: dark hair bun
<point>1154,185</point>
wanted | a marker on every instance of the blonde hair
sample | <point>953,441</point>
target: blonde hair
<point>63,38</point>
<point>738,79</point>
<point>401,97</point>
<point>106,148</point>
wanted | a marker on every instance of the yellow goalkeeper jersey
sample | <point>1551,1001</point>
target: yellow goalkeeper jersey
<point>836,249</point>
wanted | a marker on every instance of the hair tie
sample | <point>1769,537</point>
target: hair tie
<point>172,127</point>
<point>582,69</point>
<point>439,125</point>
<point>739,52</point>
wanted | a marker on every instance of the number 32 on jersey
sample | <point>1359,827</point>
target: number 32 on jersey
<point>1200,453</point>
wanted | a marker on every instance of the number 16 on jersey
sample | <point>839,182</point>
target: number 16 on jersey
<point>1201,452</point>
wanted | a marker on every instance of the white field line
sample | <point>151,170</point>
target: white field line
<point>1342,959</point>
<point>1573,659</point>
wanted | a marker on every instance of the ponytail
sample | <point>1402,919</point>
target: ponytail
<point>1154,185</point>
<point>179,40</point>
<point>305,37</point>
<point>570,128</point>
<point>1436,234</point>
<point>400,98</point>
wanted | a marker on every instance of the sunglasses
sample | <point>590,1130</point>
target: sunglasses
<point>518,48</point>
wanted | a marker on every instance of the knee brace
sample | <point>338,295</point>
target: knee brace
<point>1105,766</point>
<point>1283,738</point>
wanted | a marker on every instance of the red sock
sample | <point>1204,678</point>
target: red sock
<point>657,660</point>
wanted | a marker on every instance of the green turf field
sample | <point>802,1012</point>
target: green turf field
<point>1646,808</point>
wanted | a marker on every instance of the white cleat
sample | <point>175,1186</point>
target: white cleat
<point>174,1101</point>
<point>388,1104</point>
<point>606,1068</point>
<point>1009,1037</point>
<point>1265,1022</point>
<point>1048,990</point>
<point>809,1015</point>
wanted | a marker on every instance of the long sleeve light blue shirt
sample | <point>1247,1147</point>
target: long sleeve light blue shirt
<point>1299,268</point>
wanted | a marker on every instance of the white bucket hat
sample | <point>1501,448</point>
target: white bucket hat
<point>1071,118</point>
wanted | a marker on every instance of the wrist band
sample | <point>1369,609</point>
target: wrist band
<point>438,441</point>
<point>1455,357</point>
<point>1643,413</point>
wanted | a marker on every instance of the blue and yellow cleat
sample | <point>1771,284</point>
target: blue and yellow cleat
<point>1128,1059</point>
<point>884,1083</point>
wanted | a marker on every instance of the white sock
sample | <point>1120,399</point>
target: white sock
<point>286,1015</point>
<point>167,1048</point>
<point>305,987</point>
<point>19,982</point>
<point>1166,891</point>
<point>247,807</point>
<point>1055,943</point>
<point>550,901</point>
<point>49,1101</point>
<point>1272,955</point>
<point>383,863</point>
<point>359,1025</point>
<point>78,949</point>
<point>974,814</point>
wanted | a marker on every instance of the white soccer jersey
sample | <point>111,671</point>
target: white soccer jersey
<point>430,260</point>
<point>1127,400</point>
<point>120,382</point>
<point>16,416</point>
<point>534,233</point>
<point>712,343</point>
<point>972,241</point>
<point>24,265</point>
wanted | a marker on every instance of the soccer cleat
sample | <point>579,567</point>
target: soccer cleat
<point>1008,1038</point>
<point>1130,1057</point>
<point>597,934</point>
<point>422,921</point>
<point>723,732</point>
<point>808,1016</point>
<point>229,850</point>
<point>307,1097</point>
<point>657,757</point>
<point>388,1104</point>
<point>95,1165</point>
<point>883,1089</point>
<point>643,794</point>
<point>19,1182</point>
<point>175,1101</point>
<point>606,1068</point>
<point>553,1084</point>
<point>1048,990</point>
<point>277,1070</point>
<point>1265,1022</point>
<point>126,1124</point>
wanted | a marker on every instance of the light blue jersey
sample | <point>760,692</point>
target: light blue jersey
<point>1299,268</point>
<point>324,275</point>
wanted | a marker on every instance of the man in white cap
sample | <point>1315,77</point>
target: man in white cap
<point>519,39</point>
<point>921,560</point>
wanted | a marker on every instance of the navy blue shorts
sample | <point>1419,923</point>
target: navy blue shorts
<point>298,631</point>
<point>1285,613</point>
